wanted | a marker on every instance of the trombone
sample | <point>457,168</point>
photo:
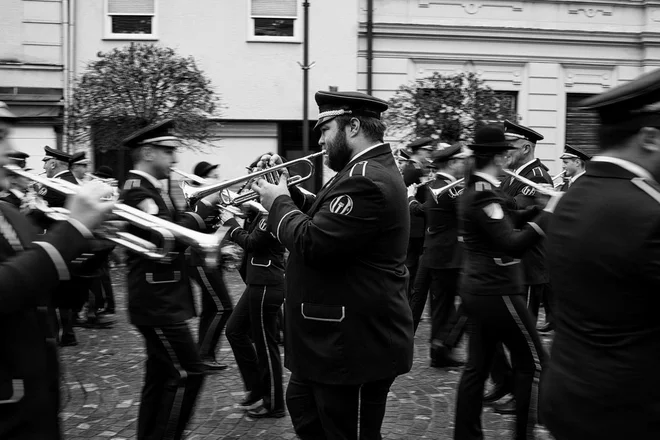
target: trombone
<point>207,244</point>
<point>538,187</point>
<point>194,194</point>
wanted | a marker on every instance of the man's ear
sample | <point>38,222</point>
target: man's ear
<point>354,127</point>
<point>649,139</point>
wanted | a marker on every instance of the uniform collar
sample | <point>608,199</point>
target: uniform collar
<point>151,179</point>
<point>365,151</point>
<point>448,176</point>
<point>632,168</point>
<point>574,178</point>
<point>60,173</point>
<point>488,178</point>
<point>17,193</point>
<point>520,170</point>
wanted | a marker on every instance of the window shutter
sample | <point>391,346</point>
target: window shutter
<point>274,8</point>
<point>581,126</point>
<point>131,6</point>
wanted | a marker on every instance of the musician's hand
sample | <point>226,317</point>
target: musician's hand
<point>412,190</point>
<point>87,206</point>
<point>269,192</point>
<point>268,161</point>
<point>225,215</point>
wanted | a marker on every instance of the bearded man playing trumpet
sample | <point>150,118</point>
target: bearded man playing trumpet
<point>160,299</point>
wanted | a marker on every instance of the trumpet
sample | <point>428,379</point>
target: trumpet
<point>194,194</point>
<point>225,195</point>
<point>558,180</point>
<point>436,193</point>
<point>207,244</point>
<point>538,187</point>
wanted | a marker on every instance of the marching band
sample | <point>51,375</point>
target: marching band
<point>352,266</point>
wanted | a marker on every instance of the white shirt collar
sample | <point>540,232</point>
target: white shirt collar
<point>490,179</point>
<point>448,176</point>
<point>363,152</point>
<point>80,182</point>
<point>574,178</point>
<point>626,165</point>
<point>519,170</point>
<point>155,182</point>
<point>59,174</point>
<point>17,193</point>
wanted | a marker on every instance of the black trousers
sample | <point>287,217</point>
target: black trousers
<point>421,285</point>
<point>108,295</point>
<point>330,412</point>
<point>216,308</point>
<point>172,382</point>
<point>499,319</point>
<point>254,320</point>
<point>415,249</point>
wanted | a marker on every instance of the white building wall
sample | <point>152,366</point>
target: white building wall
<point>542,50</point>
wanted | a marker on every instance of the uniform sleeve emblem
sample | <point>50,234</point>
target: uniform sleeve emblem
<point>482,186</point>
<point>341,205</point>
<point>263,224</point>
<point>494,211</point>
<point>149,206</point>
<point>42,191</point>
<point>528,191</point>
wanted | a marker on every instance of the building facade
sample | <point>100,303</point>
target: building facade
<point>250,50</point>
<point>547,54</point>
<point>33,64</point>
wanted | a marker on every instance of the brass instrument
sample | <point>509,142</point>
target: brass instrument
<point>558,180</point>
<point>207,244</point>
<point>436,193</point>
<point>225,195</point>
<point>194,194</point>
<point>538,187</point>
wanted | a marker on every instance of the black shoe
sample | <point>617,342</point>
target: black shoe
<point>547,328</point>
<point>496,394</point>
<point>213,365</point>
<point>507,407</point>
<point>68,342</point>
<point>441,357</point>
<point>99,322</point>
<point>262,412</point>
<point>250,400</point>
<point>106,312</point>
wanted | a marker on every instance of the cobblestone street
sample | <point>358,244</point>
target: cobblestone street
<point>103,376</point>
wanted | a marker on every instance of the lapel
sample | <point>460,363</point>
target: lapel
<point>376,152</point>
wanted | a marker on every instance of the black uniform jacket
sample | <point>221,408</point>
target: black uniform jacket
<point>567,184</point>
<point>11,198</point>
<point>347,315</point>
<point>491,264</point>
<point>31,267</point>
<point>535,270</point>
<point>158,290</point>
<point>412,174</point>
<point>54,198</point>
<point>442,249</point>
<point>604,260</point>
<point>263,259</point>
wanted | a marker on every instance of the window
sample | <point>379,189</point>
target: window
<point>274,20</point>
<point>130,19</point>
<point>581,126</point>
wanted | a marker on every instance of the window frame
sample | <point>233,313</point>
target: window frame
<point>107,28</point>
<point>297,27</point>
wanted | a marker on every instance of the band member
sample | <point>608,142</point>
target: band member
<point>262,270</point>
<point>78,166</point>
<point>602,380</point>
<point>441,257</point>
<point>574,164</point>
<point>17,186</point>
<point>56,166</point>
<point>348,326</point>
<point>216,302</point>
<point>159,294</point>
<point>492,288</point>
<point>29,364</point>
<point>413,171</point>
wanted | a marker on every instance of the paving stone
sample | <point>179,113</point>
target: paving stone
<point>102,379</point>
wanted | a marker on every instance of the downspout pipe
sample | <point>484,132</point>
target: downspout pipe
<point>370,45</point>
<point>65,73</point>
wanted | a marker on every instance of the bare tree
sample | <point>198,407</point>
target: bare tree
<point>445,107</point>
<point>133,86</point>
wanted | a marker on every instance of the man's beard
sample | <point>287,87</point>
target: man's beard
<point>338,152</point>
